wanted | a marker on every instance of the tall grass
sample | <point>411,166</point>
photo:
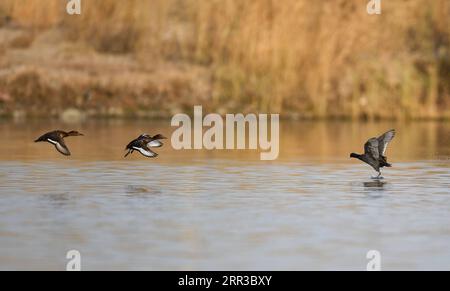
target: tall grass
<point>306,58</point>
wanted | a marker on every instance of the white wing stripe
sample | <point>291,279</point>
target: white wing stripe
<point>51,141</point>
<point>384,148</point>
<point>155,144</point>
<point>145,153</point>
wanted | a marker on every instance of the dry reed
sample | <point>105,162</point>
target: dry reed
<point>300,57</point>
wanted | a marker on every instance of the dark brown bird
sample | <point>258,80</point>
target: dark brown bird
<point>143,144</point>
<point>374,151</point>
<point>56,138</point>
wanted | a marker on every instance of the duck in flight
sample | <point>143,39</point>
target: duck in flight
<point>56,138</point>
<point>143,144</point>
<point>374,151</point>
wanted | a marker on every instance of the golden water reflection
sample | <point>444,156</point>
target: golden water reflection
<point>318,141</point>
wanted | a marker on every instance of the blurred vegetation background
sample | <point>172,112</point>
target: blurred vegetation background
<point>152,58</point>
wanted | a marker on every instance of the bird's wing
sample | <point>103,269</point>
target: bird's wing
<point>371,148</point>
<point>154,144</point>
<point>61,147</point>
<point>145,151</point>
<point>384,140</point>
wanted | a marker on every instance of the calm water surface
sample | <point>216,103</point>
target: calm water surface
<point>313,208</point>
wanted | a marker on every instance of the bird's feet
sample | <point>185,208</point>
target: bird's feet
<point>379,177</point>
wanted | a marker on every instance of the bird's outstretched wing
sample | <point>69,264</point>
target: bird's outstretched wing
<point>371,148</point>
<point>384,140</point>
<point>145,151</point>
<point>61,147</point>
<point>154,144</point>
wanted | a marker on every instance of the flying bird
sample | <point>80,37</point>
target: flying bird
<point>56,138</point>
<point>143,144</point>
<point>374,151</point>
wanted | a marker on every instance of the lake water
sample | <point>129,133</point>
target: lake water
<point>312,208</point>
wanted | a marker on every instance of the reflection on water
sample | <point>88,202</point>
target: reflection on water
<point>311,209</point>
<point>374,189</point>
<point>374,184</point>
<point>135,190</point>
